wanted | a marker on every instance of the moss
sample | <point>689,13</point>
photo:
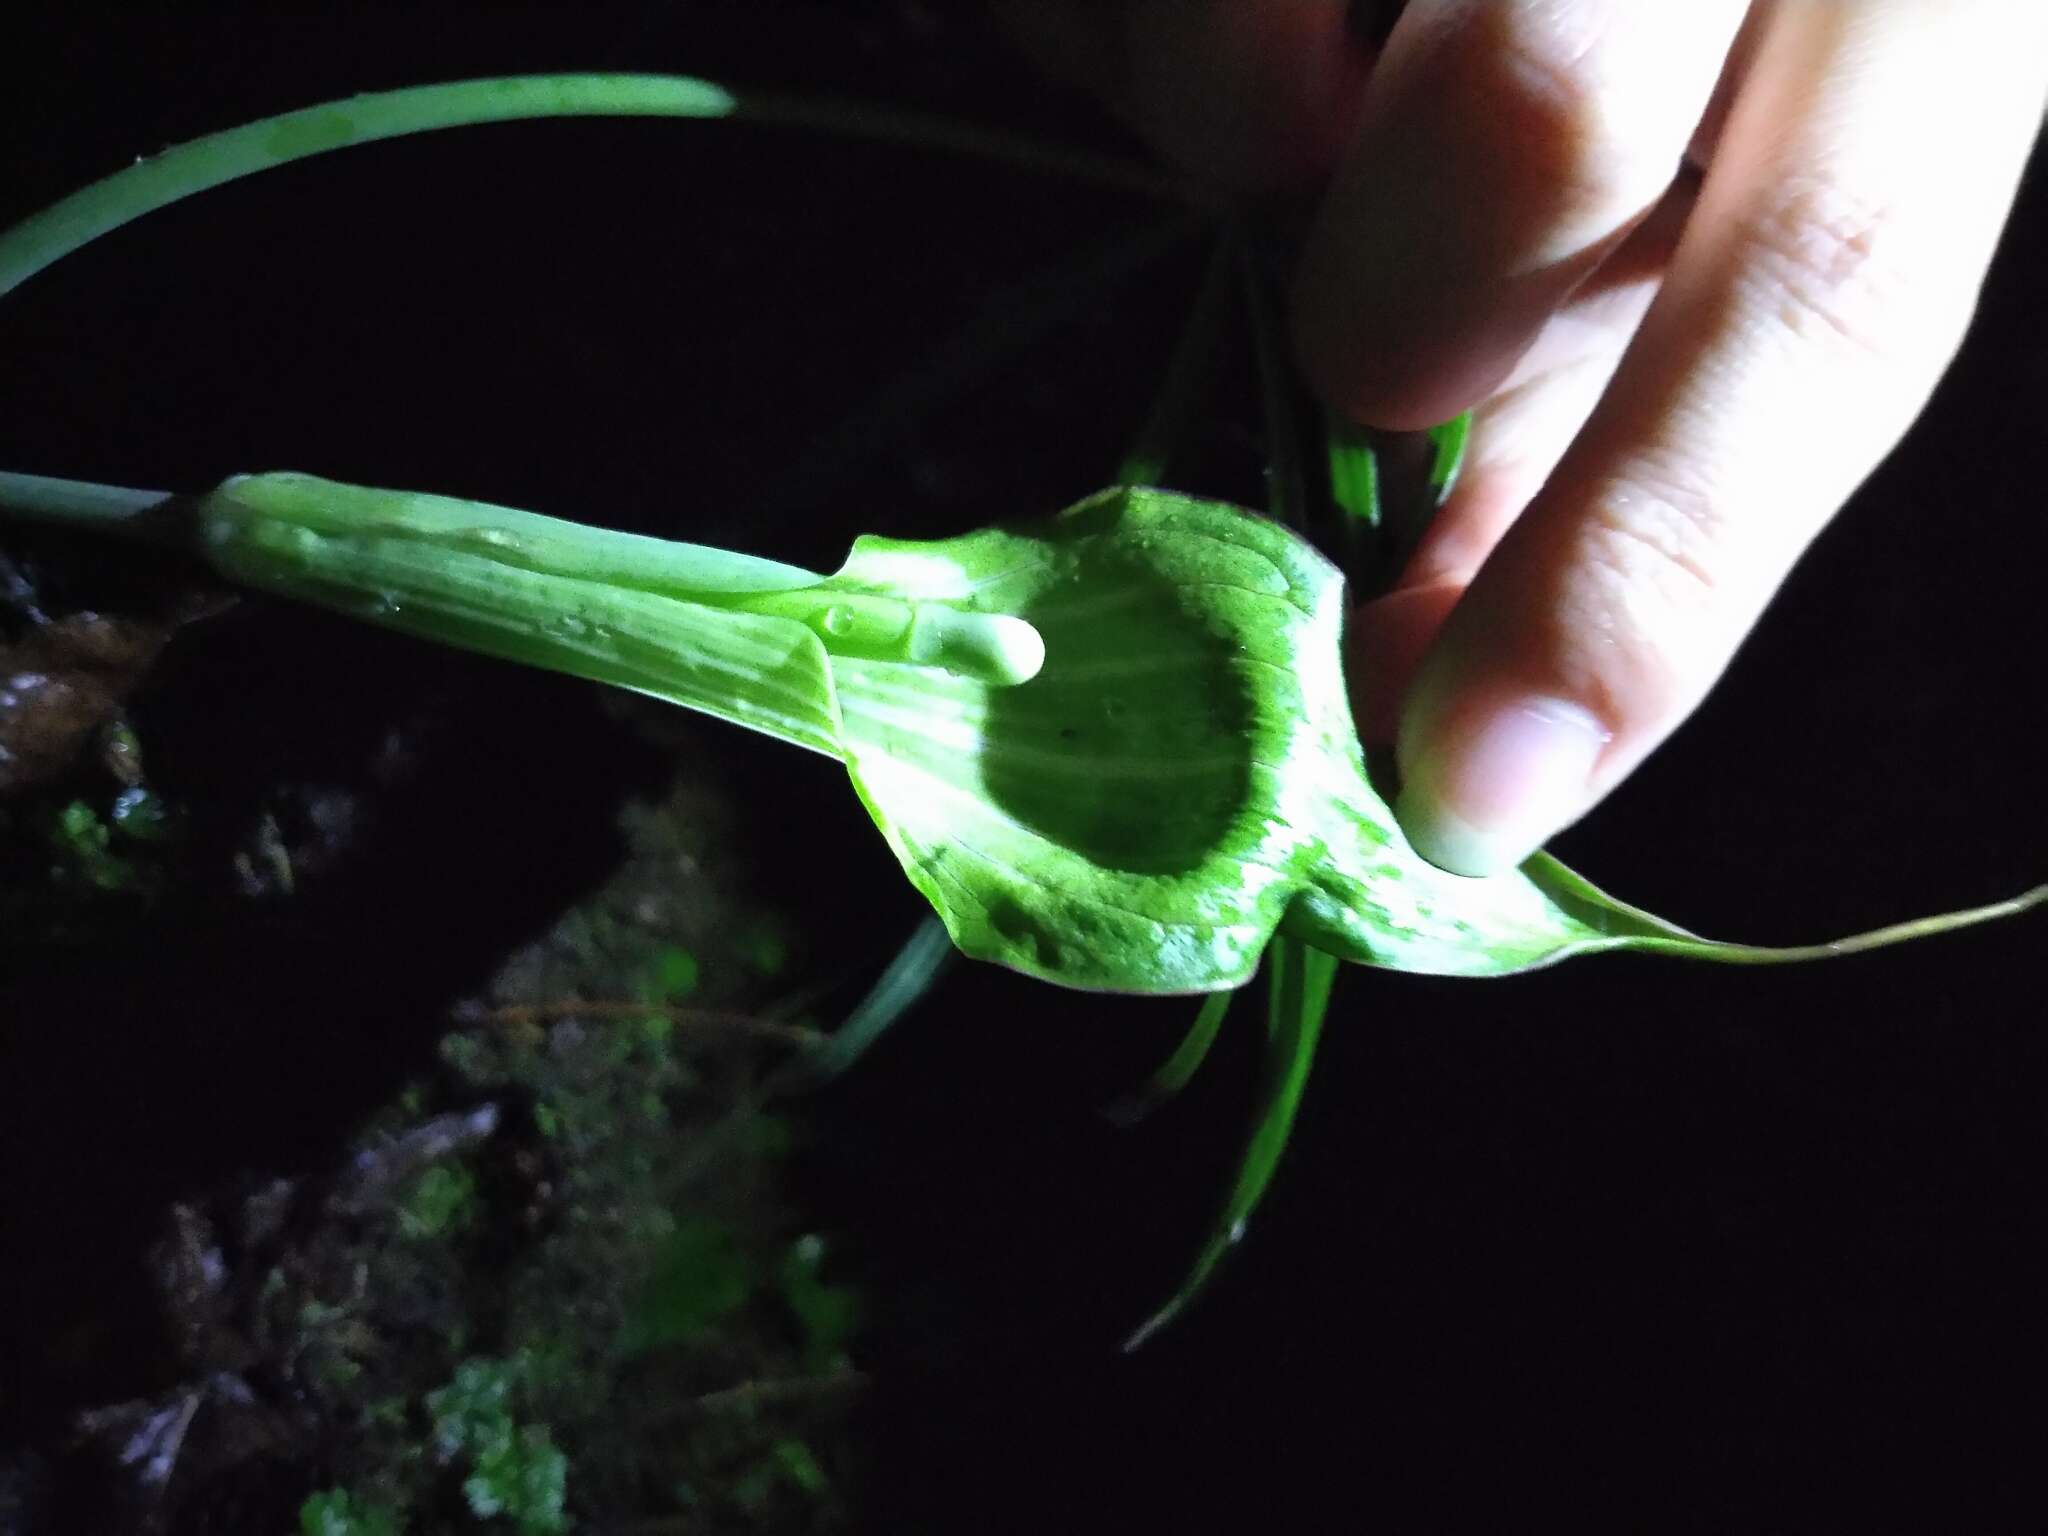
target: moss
<point>618,1257</point>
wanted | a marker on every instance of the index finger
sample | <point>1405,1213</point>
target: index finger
<point>1504,150</point>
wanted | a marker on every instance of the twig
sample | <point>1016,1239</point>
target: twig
<point>796,1036</point>
<point>771,1392</point>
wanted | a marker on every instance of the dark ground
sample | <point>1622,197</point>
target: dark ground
<point>1656,1245</point>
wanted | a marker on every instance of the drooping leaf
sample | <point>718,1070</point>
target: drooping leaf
<point>1179,1069</point>
<point>1298,981</point>
<point>156,181</point>
<point>907,978</point>
<point>1189,375</point>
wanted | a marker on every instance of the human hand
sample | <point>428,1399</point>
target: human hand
<point>1696,267</point>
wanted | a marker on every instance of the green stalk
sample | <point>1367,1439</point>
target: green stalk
<point>904,982</point>
<point>1286,482</point>
<point>1189,374</point>
<point>79,503</point>
<point>1297,1002</point>
<point>1178,1070</point>
<point>218,158</point>
<point>1855,943</point>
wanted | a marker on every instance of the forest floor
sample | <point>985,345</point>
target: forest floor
<point>554,1262</point>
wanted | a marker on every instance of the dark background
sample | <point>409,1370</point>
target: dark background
<point>1652,1243</point>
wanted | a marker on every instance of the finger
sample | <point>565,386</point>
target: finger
<point>1517,439</point>
<point>1824,281</point>
<point>1504,150</point>
<point>1513,437</point>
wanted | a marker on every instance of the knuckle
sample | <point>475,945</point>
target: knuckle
<point>1660,531</point>
<point>1648,580</point>
<point>1826,264</point>
<point>1534,87</point>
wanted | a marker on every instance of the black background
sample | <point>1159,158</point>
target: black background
<point>1649,1243</point>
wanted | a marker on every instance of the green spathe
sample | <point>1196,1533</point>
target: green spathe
<point>1114,748</point>
<point>1180,780</point>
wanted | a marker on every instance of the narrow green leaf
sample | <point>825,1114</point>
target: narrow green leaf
<point>78,503</point>
<point>1359,540</point>
<point>1451,439</point>
<point>1286,479</point>
<point>217,158</point>
<point>902,984</point>
<point>1298,999</point>
<point>1179,1069</point>
<point>1189,375</point>
<point>1354,470</point>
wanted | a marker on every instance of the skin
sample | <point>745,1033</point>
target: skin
<point>1695,267</point>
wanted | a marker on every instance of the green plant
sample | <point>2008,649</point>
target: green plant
<point>699,1275</point>
<point>443,1200</point>
<point>515,1469</point>
<point>1114,749</point>
<point>338,1512</point>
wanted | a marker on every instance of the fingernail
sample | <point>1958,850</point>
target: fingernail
<point>1483,791</point>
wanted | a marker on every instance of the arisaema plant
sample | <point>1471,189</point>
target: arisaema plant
<point>1113,748</point>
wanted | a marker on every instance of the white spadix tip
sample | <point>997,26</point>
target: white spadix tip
<point>994,648</point>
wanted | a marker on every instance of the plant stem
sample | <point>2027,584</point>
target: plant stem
<point>1855,943</point>
<point>747,1025</point>
<point>907,979</point>
<point>1189,374</point>
<point>1286,485</point>
<point>78,503</point>
<point>1298,1000</point>
<point>217,158</point>
<point>1177,1070</point>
